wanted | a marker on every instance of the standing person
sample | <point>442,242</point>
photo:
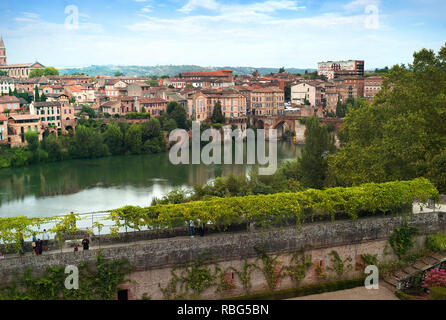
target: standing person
<point>76,247</point>
<point>39,247</point>
<point>22,244</point>
<point>191,229</point>
<point>86,243</point>
<point>45,238</point>
<point>34,244</point>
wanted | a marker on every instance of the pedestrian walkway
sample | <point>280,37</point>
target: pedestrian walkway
<point>359,293</point>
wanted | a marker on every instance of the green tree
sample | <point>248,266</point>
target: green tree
<point>89,111</point>
<point>3,73</point>
<point>150,129</point>
<point>32,138</point>
<point>171,106</point>
<point>119,74</point>
<point>113,138</point>
<point>180,116</point>
<point>133,139</point>
<point>53,147</point>
<point>282,70</point>
<point>169,125</point>
<point>313,161</point>
<point>217,114</point>
<point>87,143</point>
<point>400,135</point>
<point>36,94</point>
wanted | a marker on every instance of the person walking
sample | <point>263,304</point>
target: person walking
<point>86,243</point>
<point>45,238</point>
<point>191,228</point>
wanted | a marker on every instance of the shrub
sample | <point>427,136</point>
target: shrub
<point>403,296</point>
<point>438,293</point>
<point>273,209</point>
<point>436,242</point>
<point>435,278</point>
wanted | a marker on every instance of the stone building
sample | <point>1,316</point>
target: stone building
<point>19,124</point>
<point>267,101</point>
<point>371,86</point>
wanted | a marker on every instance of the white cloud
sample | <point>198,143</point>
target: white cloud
<point>147,9</point>
<point>358,5</point>
<point>197,4</point>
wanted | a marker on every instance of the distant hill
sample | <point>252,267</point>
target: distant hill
<point>170,70</point>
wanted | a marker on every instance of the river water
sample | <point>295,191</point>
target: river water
<point>85,186</point>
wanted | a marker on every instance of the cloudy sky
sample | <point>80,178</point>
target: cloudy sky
<point>258,33</point>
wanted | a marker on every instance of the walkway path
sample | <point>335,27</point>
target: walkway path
<point>359,293</point>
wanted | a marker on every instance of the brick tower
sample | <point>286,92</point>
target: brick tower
<point>2,52</point>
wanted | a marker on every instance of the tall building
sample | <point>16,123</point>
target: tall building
<point>16,70</point>
<point>334,69</point>
<point>2,52</point>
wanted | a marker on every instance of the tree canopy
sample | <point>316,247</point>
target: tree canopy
<point>48,71</point>
<point>402,134</point>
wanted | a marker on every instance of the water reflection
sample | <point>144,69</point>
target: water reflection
<point>101,184</point>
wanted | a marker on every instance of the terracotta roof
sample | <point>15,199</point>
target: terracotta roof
<point>47,104</point>
<point>152,100</point>
<point>3,117</point>
<point>5,99</point>
<point>268,89</point>
<point>24,117</point>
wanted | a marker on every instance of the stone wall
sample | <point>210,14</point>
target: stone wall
<point>154,259</point>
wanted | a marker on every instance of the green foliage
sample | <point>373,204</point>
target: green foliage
<point>113,138</point>
<point>313,161</point>
<point>401,240</point>
<point>98,282</point>
<point>403,296</point>
<point>300,263</point>
<point>400,135</point>
<point>32,138</point>
<point>271,269</point>
<point>137,115</point>
<point>245,275</point>
<point>48,71</point>
<point>87,143</point>
<point>436,242</point>
<point>338,265</point>
<point>438,293</point>
<point>217,114</point>
<point>14,229</point>
<point>191,279</point>
<point>133,139</point>
<point>273,209</point>
<point>65,225</point>
<point>89,111</point>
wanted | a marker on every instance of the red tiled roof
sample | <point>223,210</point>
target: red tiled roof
<point>5,99</point>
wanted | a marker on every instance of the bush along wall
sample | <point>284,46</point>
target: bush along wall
<point>277,209</point>
<point>98,281</point>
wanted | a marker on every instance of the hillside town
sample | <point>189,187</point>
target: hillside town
<point>53,103</point>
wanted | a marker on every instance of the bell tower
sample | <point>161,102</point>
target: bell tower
<point>2,52</point>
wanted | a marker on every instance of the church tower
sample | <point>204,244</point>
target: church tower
<point>2,52</point>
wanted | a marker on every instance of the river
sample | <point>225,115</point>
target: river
<point>85,186</point>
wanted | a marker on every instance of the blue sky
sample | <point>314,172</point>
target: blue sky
<point>258,33</point>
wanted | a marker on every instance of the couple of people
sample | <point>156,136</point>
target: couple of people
<point>40,245</point>
<point>192,229</point>
<point>37,245</point>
